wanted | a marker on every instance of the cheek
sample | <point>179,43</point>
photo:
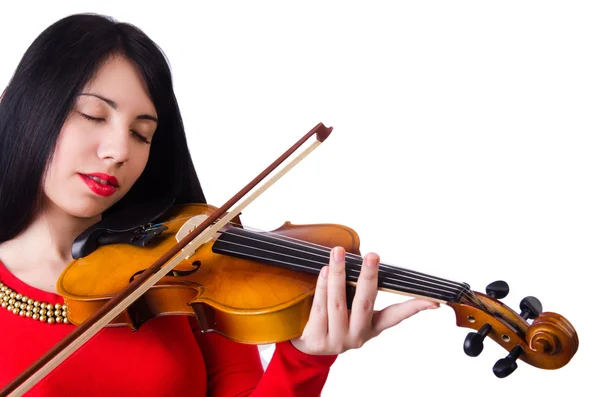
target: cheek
<point>139,161</point>
<point>71,148</point>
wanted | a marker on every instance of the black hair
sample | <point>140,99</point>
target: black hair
<point>41,93</point>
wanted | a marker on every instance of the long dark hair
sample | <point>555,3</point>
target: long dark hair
<point>41,93</point>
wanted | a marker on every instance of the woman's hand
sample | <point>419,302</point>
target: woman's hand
<point>331,329</point>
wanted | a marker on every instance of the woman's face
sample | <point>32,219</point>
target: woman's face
<point>104,144</point>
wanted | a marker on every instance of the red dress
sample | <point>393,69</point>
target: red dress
<point>167,356</point>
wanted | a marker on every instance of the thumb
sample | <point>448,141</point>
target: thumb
<point>394,314</point>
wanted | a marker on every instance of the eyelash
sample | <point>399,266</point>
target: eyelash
<point>97,119</point>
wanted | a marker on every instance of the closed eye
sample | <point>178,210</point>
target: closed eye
<point>87,116</point>
<point>138,136</point>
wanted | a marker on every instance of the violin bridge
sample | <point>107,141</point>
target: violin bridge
<point>189,227</point>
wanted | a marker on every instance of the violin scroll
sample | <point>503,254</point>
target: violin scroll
<point>549,342</point>
<point>553,335</point>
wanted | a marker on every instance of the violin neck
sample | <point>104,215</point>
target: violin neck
<point>274,249</point>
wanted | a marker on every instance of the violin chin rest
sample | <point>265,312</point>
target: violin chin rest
<point>122,227</point>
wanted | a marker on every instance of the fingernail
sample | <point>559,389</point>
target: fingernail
<point>372,260</point>
<point>324,271</point>
<point>338,254</point>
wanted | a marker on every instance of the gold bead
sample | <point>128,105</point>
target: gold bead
<point>27,307</point>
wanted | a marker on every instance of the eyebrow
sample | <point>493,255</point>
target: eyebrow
<point>113,105</point>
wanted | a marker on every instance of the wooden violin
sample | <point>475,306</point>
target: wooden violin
<point>256,287</point>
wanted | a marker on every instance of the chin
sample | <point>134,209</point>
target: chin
<point>84,213</point>
<point>83,209</point>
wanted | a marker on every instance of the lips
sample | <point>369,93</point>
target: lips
<point>101,184</point>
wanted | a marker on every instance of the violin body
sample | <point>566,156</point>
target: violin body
<point>244,300</point>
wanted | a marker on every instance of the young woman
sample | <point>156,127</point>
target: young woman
<point>89,125</point>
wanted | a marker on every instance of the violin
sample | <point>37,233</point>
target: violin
<point>256,287</point>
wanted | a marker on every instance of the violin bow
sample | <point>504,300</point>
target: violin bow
<point>153,274</point>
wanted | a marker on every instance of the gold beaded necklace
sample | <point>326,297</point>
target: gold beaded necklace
<point>27,307</point>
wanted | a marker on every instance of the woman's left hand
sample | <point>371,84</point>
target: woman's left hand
<point>331,328</point>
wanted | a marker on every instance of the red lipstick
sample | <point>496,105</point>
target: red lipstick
<point>101,184</point>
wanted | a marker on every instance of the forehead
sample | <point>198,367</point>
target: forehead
<point>119,79</point>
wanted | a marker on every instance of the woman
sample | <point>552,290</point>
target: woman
<point>89,126</point>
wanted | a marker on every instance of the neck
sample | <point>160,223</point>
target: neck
<point>307,257</point>
<point>40,253</point>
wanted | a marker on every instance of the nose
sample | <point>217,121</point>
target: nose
<point>115,144</point>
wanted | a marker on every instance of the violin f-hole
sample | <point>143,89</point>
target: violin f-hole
<point>174,273</point>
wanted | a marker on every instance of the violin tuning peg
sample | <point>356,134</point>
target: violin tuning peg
<point>531,307</point>
<point>497,290</point>
<point>473,345</point>
<point>507,365</point>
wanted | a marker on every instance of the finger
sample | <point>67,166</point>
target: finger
<point>317,319</point>
<point>393,315</point>
<point>337,308</point>
<point>361,317</point>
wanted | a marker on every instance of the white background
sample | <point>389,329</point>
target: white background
<point>465,145</point>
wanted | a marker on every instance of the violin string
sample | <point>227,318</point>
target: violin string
<point>353,266</point>
<point>355,262</point>
<point>386,282</point>
<point>465,290</point>
<point>294,265</point>
<point>326,250</point>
